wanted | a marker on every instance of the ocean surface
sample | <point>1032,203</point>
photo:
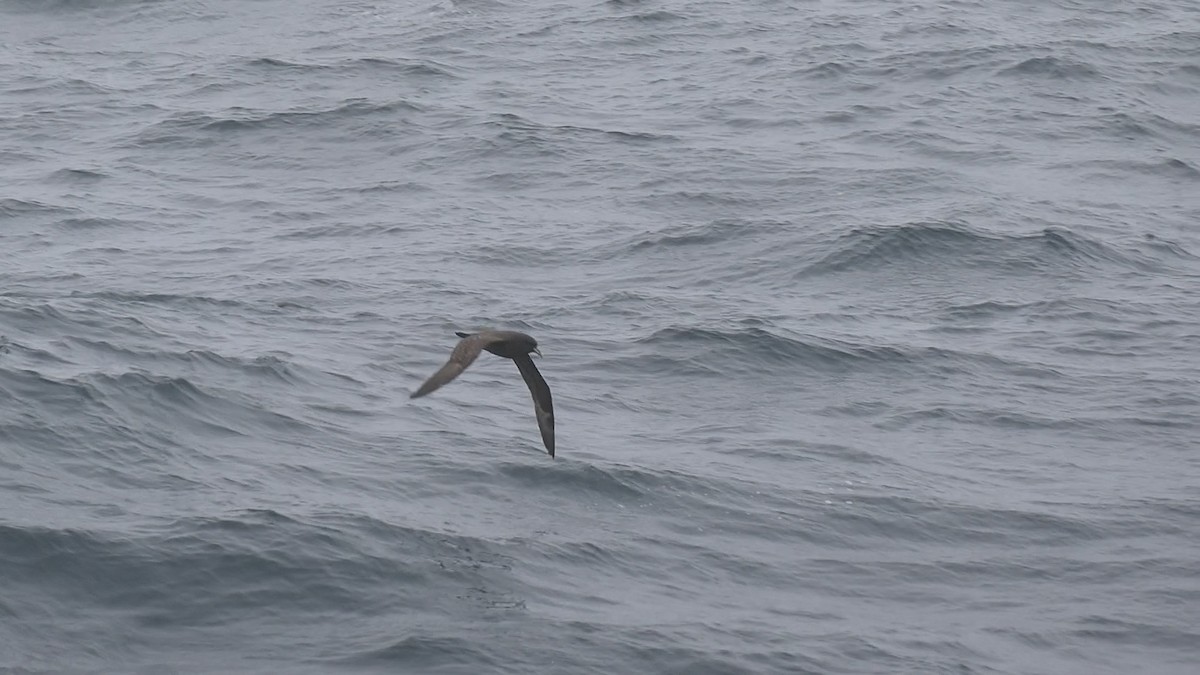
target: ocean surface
<point>873,330</point>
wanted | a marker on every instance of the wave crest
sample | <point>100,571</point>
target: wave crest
<point>948,244</point>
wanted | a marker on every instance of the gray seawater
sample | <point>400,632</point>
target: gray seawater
<point>873,330</point>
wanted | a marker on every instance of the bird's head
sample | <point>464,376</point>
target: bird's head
<point>531,347</point>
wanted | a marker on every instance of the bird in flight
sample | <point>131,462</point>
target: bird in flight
<point>511,345</point>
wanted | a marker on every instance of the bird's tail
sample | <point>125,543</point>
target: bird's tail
<point>459,333</point>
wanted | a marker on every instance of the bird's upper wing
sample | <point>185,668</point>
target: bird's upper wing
<point>543,405</point>
<point>464,354</point>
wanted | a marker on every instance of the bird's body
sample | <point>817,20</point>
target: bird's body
<point>510,345</point>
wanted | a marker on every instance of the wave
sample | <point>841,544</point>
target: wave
<point>76,176</point>
<point>1087,309</point>
<point>715,232</point>
<point>54,6</point>
<point>374,66</point>
<point>260,560</point>
<point>140,411</point>
<point>516,127</point>
<point>426,652</point>
<point>262,368</point>
<point>178,402</point>
<point>95,223</point>
<point>1121,169</point>
<point>163,299</point>
<point>1053,67</point>
<point>919,520</point>
<point>945,244</point>
<point>195,128</point>
<point>729,351</point>
<point>1143,125</point>
<point>23,208</point>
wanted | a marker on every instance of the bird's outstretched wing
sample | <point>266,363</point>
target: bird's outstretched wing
<point>464,354</point>
<point>543,405</point>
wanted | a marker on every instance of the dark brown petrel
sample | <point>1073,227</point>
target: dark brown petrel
<point>510,345</point>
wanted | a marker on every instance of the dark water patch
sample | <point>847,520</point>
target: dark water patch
<point>22,208</point>
<point>865,409</point>
<point>1052,67</point>
<point>856,114</point>
<point>92,223</point>
<point>829,70</point>
<point>76,176</point>
<point>624,136</point>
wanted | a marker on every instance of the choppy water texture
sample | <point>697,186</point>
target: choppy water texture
<point>873,330</point>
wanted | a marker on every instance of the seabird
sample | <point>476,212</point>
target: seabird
<point>510,345</point>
